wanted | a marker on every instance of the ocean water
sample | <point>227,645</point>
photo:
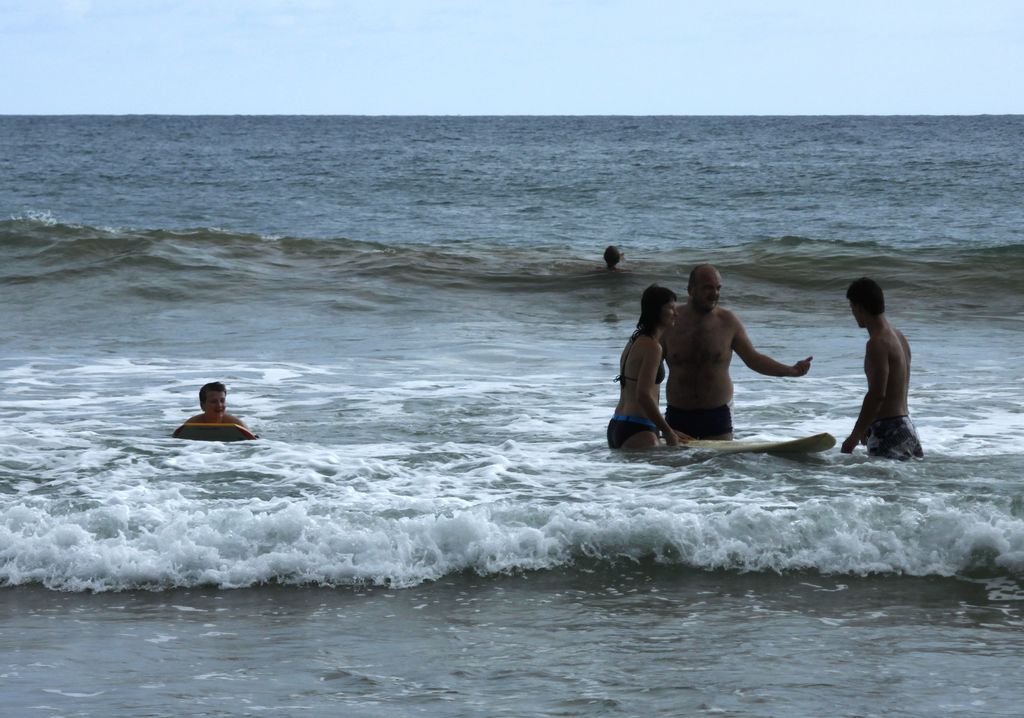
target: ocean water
<point>408,312</point>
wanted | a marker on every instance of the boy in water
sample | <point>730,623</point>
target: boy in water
<point>213,399</point>
<point>884,423</point>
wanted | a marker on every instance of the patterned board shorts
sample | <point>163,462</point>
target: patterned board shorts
<point>894,438</point>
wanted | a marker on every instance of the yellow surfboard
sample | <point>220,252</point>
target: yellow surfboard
<point>213,432</point>
<point>805,445</point>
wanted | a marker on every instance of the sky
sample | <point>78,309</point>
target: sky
<point>512,57</point>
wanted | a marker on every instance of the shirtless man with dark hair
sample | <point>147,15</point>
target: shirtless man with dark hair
<point>884,422</point>
<point>699,349</point>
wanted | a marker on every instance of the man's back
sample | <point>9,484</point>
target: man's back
<point>884,420</point>
<point>897,359</point>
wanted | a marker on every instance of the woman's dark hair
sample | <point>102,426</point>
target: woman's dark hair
<point>651,302</point>
<point>612,255</point>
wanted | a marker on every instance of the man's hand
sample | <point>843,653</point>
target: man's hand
<point>850,444</point>
<point>801,367</point>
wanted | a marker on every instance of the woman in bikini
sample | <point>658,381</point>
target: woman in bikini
<point>638,418</point>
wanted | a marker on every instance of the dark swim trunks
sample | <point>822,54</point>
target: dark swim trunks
<point>894,438</point>
<point>700,423</point>
<point>621,427</point>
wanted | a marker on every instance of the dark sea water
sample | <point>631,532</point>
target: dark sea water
<point>409,313</point>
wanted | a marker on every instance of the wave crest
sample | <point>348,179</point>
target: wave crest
<point>299,543</point>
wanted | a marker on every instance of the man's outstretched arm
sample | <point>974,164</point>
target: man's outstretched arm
<point>762,363</point>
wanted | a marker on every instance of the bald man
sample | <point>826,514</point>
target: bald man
<point>699,349</point>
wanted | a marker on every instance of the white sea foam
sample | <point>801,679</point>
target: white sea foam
<point>400,471</point>
<point>162,537</point>
<point>154,512</point>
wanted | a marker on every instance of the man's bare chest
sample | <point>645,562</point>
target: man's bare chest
<point>699,344</point>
